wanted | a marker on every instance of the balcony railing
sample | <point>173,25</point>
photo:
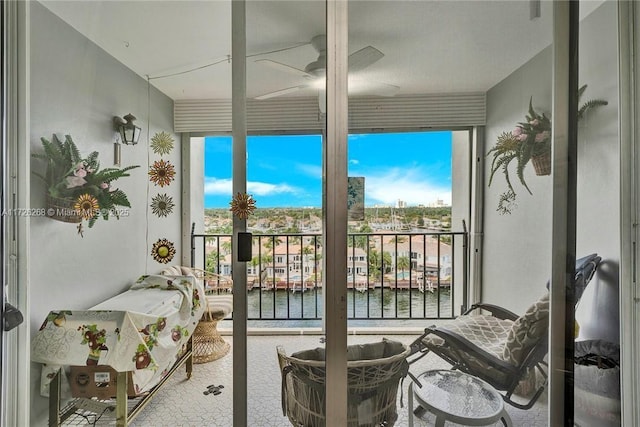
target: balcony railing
<point>389,275</point>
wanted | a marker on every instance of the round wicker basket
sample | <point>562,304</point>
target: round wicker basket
<point>373,370</point>
<point>542,164</point>
<point>62,210</point>
<point>208,344</point>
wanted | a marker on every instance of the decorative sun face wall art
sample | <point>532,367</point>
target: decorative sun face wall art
<point>164,162</point>
<point>242,205</point>
<point>162,205</point>
<point>162,143</point>
<point>163,251</point>
<point>161,173</point>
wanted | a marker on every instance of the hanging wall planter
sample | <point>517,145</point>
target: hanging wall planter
<point>542,164</point>
<point>530,140</point>
<point>77,189</point>
<point>62,209</point>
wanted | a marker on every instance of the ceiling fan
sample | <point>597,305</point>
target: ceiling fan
<point>315,72</point>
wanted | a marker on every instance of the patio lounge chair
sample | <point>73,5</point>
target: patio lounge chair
<point>501,348</point>
<point>373,374</point>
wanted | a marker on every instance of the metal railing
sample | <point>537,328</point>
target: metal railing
<point>390,275</point>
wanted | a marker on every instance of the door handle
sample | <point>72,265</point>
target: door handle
<point>12,317</point>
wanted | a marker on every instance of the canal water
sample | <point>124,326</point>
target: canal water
<point>376,307</point>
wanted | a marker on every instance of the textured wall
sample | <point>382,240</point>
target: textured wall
<point>76,89</point>
<point>517,257</point>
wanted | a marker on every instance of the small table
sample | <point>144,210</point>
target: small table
<point>457,397</point>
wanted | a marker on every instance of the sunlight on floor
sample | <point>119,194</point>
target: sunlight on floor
<point>207,399</point>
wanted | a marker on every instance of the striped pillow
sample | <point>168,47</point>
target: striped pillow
<point>527,331</point>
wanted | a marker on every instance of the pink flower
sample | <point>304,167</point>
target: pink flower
<point>75,181</point>
<point>517,131</point>
<point>542,136</point>
<point>104,185</point>
<point>80,172</point>
<point>534,122</point>
<point>522,137</point>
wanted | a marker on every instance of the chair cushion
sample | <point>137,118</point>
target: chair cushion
<point>527,331</point>
<point>484,331</point>
<point>219,306</point>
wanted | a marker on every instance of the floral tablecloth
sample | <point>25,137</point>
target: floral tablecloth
<point>142,330</point>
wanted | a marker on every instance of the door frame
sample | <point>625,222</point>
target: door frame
<point>629,96</point>
<point>16,384</point>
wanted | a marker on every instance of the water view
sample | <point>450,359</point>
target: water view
<point>372,308</point>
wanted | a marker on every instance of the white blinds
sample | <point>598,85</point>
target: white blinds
<point>301,114</point>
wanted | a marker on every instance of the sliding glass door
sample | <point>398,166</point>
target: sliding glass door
<point>286,285</point>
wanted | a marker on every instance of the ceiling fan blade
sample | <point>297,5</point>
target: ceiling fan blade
<point>368,87</point>
<point>284,67</point>
<point>364,57</point>
<point>280,92</point>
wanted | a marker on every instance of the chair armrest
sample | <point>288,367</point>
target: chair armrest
<point>495,310</point>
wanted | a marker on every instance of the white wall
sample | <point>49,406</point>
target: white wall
<point>76,89</point>
<point>517,260</point>
<point>598,218</point>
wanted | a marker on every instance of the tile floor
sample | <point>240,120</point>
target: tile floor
<point>183,403</point>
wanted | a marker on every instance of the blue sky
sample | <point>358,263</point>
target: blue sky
<point>286,171</point>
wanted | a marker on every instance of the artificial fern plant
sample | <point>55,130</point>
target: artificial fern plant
<point>69,176</point>
<point>527,140</point>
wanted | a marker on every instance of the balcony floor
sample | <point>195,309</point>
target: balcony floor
<point>182,402</point>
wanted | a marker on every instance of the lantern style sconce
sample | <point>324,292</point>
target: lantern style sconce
<point>129,132</point>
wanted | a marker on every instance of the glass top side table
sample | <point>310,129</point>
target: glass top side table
<point>457,397</point>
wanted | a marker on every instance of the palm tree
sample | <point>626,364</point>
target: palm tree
<point>226,247</point>
<point>402,264</point>
<point>376,263</point>
<point>386,262</point>
<point>272,242</point>
<point>211,264</point>
<point>255,261</point>
<point>316,259</point>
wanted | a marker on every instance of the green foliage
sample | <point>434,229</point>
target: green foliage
<point>528,139</point>
<point>69,176</point>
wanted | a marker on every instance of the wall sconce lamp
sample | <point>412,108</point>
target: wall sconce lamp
<point>129,132</point>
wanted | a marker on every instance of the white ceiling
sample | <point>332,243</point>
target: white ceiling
<point>429,46</point>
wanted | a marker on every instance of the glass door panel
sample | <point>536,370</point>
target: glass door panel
<point>442,54</point>
<point>598,403</point>
<point>286,62</point>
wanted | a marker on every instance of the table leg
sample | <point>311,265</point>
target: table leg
<point>440,421</point>
<point>410,414</point>
<point>121,399</point>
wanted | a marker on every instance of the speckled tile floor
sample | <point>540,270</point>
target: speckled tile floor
<point>183,403</point>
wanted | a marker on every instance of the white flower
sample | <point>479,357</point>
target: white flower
<point>75,181</point>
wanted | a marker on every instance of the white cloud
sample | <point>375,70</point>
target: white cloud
<point>354,161</point>
<point>313,171</point>
<point>412,186</point>
<point>215,186</point>
<point>266,189</point>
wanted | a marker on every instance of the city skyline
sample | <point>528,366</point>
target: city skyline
<point>286,170</point>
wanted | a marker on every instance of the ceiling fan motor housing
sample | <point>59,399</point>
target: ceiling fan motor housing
<point>319,66</point>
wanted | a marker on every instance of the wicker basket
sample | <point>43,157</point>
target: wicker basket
<point>62,210</point>
<point>373,374</point>
<point>542,164</point>
<point>208,344</point>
